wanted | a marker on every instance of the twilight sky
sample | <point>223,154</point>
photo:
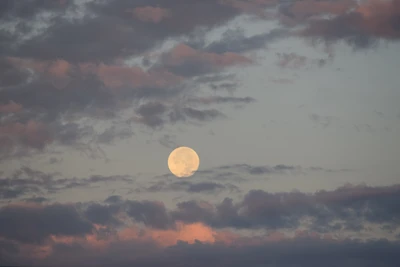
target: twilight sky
<point>292,106</point>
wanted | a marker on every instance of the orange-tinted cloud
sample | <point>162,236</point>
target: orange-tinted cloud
<point>150,14</point>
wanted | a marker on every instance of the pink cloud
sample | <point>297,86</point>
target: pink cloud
<point>183,53</point>
<point>115,76</point>
<point>32,134</point>
<point>380,17</point>
<point>150,14</point>
<point>58,68</point>
<point>11,107</point>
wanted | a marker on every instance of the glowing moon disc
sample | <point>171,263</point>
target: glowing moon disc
<point>183,162</point>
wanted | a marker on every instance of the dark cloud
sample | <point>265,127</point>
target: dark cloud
<point>121,28</point>
<point>113,199</point>
<point>33,224</point>
<point>151,213</point>
<point>354,205</point>
<point>362,27</point>
<point>11,75</point>
<point>186,61</point>
<point>10,9</point>
<point>347,208</point>
<point>102,214</point>
<point>37,199</point>
<point>190,187</point>
<point>71,68</point>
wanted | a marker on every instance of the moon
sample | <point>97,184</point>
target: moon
<point>183,162</point>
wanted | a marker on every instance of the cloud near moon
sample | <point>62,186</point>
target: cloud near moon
<point>183,162</point>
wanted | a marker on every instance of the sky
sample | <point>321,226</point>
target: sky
<point>292,107</point>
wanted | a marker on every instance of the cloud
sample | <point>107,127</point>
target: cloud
<point>324,121</point>
<point>189,187</point>
<point>27,181</point>
<point>256,7</point>
<point>221,100</point>
<point>52,82</point>
<point>291,60</point>
<point>150,14</point>
<point>235,41</point>
<point>301,10</point>
<point>259,170</point>
<point>122,76</point>
<point>98,234</point>
<point>361,27</point>
<point>187,61</point>
<point>32,134</point>
<point>34,223</point>
<point>107,31</point>
<point>11,107</point>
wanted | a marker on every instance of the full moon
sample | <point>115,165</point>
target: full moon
<point>183,162</point>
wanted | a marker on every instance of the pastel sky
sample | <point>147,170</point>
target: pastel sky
<point>292,106</point>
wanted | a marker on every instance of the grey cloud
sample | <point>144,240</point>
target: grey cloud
<point>324,121</point>
<point>236,41</point>
<point>34,225</point>
<point>221,99</point>
<point>102,214</point>
<point>190,187</point>
<point>10,75</point>
<point>214,78</point>
<point>114,31</point>
<point>168,141</point>
<point>354,205</point>
<point>230,87</point>
<point>152,214</point>
<point>291,60</point>
<point>113,133</point>
<point>202,115</point>
<point>53,75</point>
<point>257,170</point>
<point>37,199</point>
<point>113,199</point>
<point>347,27</point>
<point>10,9</point>
<point>27,181</point>
<point>54,160</point>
